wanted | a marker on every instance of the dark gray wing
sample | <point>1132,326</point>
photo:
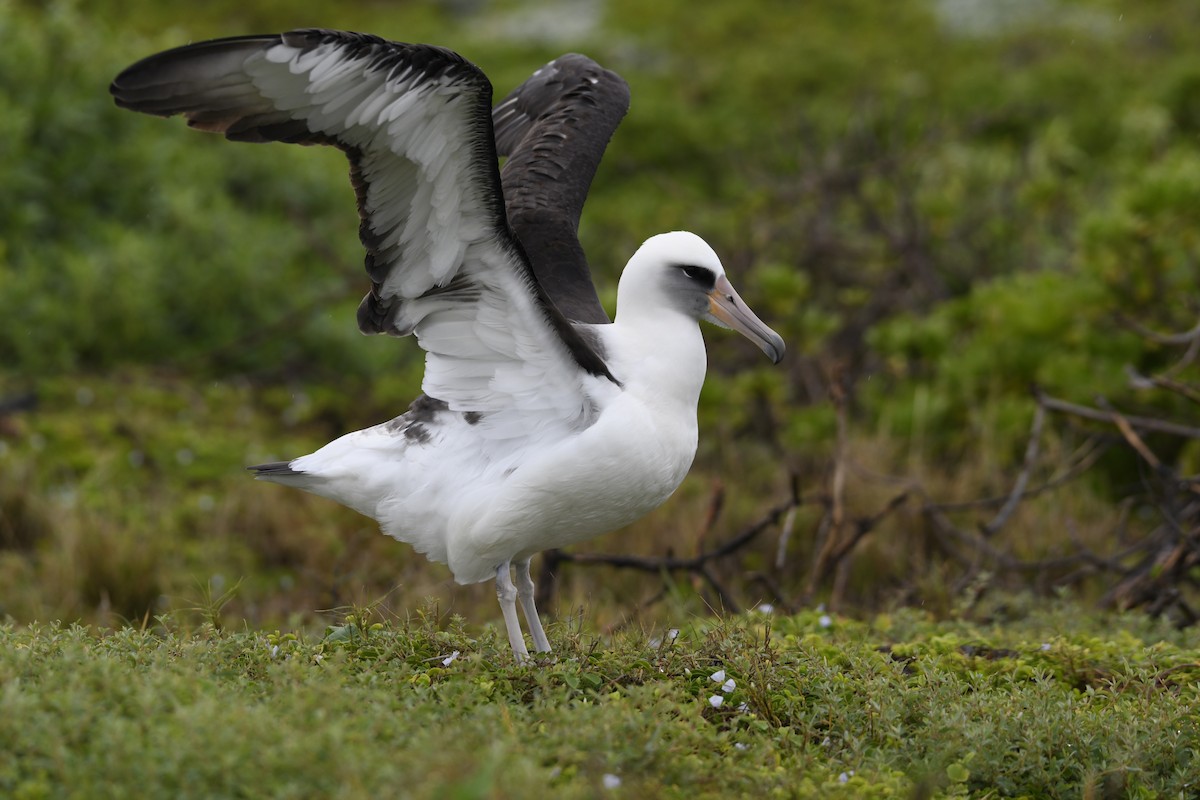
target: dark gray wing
<point>554,128</point>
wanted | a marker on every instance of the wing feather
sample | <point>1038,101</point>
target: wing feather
<point>554,129</point>
<point>416,124</point>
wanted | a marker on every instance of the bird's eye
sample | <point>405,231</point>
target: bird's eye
<point>697,273</point>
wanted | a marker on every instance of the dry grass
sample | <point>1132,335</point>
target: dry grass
<point>88,532</point>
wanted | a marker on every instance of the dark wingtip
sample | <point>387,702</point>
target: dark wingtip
<point>274,469</point>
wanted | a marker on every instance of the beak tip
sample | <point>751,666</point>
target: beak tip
<point>727,309</point>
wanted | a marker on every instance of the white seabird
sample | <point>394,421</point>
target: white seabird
<point>541,425</point>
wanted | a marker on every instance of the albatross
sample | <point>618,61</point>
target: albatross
<point>541,423</point>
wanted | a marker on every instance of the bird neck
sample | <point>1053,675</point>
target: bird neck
<point>659,355</point>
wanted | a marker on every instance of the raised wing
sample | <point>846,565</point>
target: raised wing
<point>554,128</point>
<point>415,122</point>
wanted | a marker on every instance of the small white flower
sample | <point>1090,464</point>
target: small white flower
<point>274,650</point>
<point>1045,645</point>
<point>716,700</point>
<point>765,608</point>
<point>728,686</point>
<point>825,621</point>
<point>843,778</point>
<point>743,707</point>
<point>741,745</point>
<point>673,634</point>
<point>655,643</point>
<point>825,742</point>
<point>448,660</point>
<point>611,781</point>
<point>718,676</point>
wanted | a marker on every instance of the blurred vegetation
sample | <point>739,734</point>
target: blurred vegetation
<point>936,202</point>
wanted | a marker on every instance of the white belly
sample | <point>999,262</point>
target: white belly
<point>614,472</point>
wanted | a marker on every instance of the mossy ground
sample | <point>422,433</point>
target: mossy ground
<point>1040,703</point>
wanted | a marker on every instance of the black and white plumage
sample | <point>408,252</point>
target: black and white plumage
<point>535,430</point>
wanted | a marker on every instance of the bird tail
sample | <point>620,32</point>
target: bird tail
<point>340,488</point>
<point>282,472</point>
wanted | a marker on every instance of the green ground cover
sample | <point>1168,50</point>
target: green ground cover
<point>1039,702</point>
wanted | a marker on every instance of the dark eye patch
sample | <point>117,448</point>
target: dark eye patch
<point>701,275</point>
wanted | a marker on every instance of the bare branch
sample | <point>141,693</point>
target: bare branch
<point>1131,436</point>
<point>697,565</point>
<point>1187,337</point>
<point>716,502</point>
<point>864,526</point>
<point>785,535</point>
<point>1145,423</point>
<point>1018,492</point>
<point>1140,381</point>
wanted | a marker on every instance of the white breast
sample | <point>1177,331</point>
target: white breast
<point>617,470</point>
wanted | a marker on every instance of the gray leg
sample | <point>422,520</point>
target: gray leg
<point>507,594</point>
<point>525,592</point>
